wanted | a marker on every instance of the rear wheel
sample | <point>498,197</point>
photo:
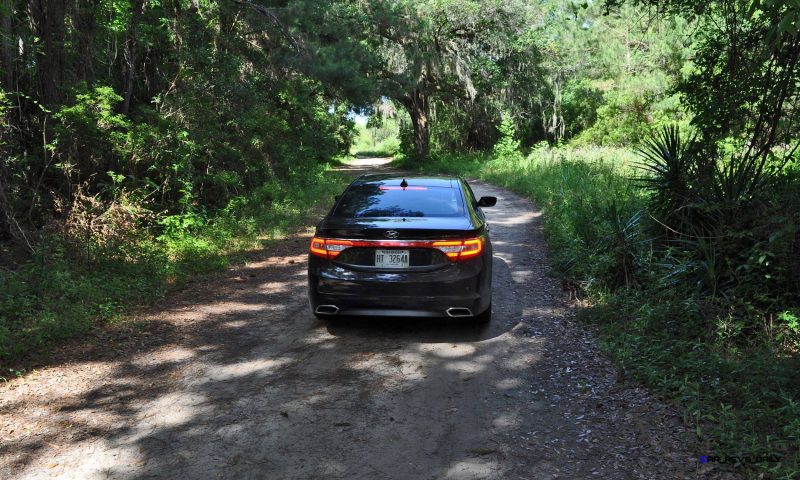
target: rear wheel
<point>484,317</point>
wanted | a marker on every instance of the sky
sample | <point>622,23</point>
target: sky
<point>360,119</point>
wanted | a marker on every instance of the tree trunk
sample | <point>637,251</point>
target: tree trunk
<point>554,125</point>
<point>418,106</point>
<point>130,54</point>
<point>7,39</point>
<point>84,23</point>
<point>47,17</point>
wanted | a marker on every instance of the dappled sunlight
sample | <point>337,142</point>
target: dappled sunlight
<point>522,276</point>
<point>277,287</point>
<point>372,362</point>
<point>454,350</point>
<point>257,367</point>
<point>146,392</point>
<point>509,383</point>
<point>228,308</point>
<point>503,257</point>
<point>125,461</point>
<point>512,220</point>
<point>368,162</point>
<point>541,311</point>
<point>410,357</point>
<point>521,361</point>
<point>299,405</point>
<point>236,323</point>
<point>473,468</point>
<point>506,420</point>
<point>356,166</point>
<point>179,353</point>
<point>164,312</point>
<point>318,337</point>
<point>169,411</point>
<point>280,261</point>
<point>465,367</point>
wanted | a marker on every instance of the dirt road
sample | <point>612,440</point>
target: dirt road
<point>235,378</point>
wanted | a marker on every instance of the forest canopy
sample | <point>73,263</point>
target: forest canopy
<point>186,104</point>
<point>189,103</point>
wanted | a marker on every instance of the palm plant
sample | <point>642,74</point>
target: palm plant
<point>675,169</point>
<point>667,167</point>
<point>623,242</point>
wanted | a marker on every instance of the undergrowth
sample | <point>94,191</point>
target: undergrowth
<point>75,283</point>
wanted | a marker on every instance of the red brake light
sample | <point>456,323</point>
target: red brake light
<point>328,248</point>
<point>472,248</point>
<point>318,247</point>
<point>335,247</point>
<point>456,250</point>
<point>450,248</point>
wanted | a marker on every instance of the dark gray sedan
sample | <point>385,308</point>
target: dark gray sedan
<point>403,246</point>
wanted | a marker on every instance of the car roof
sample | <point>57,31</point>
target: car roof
<point>396,179</point>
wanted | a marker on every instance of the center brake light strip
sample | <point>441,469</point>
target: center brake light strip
<point>456,250</point>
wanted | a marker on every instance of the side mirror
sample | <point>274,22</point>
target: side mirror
<point>336,198</point>
<point>487,202</point>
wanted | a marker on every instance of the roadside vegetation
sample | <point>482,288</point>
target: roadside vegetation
<point>93,274</point>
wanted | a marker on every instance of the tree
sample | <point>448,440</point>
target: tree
<point>47,21</point>
<point>745,82</point>
<point>611,76</point>
<point>430,50</point>
<point>7,43</point>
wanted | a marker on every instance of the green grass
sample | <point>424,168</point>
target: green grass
<point>370,142</point>
<point>743,401</point>
<point>61,294</point>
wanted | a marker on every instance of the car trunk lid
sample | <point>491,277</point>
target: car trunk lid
<point>426,228</point>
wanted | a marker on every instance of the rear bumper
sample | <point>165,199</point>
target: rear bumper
<point>415,294</point>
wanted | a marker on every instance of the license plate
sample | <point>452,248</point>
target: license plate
<point>391,258</point>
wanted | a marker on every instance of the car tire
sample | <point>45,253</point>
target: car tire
<point>485,317</point>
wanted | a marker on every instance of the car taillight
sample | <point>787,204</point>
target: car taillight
<point>328,247</point>
<point>456,250</point>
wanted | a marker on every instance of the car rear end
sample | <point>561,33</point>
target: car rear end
<point>401,247</point>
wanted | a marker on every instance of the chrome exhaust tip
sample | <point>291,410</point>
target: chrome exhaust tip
<point>457,312</point>
<point>327,310</point>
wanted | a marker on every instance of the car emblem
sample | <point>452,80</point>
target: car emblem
<point>392,234</point>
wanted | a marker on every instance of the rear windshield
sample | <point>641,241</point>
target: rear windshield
<point>365,201</point>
